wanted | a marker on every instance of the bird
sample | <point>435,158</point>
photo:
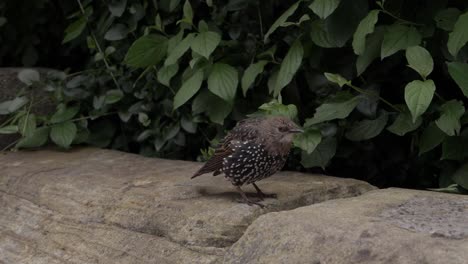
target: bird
<point>256,148</point>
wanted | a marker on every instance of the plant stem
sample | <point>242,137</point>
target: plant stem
<point>93,36</point>
<point>400,19</point>
<point>10,145</point>
<point>260,20</point>
<point>360,90</point>
<point>440,97</point>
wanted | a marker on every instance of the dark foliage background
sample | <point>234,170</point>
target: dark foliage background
<point>166,78</point>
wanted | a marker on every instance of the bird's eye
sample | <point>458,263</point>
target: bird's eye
<point>283,129</point>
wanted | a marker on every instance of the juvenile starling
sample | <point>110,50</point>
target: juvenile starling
<point>255,149</point>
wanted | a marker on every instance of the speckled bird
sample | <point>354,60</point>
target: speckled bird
<point>254,149</point>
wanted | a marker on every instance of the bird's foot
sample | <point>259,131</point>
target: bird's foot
<point>251,202</point>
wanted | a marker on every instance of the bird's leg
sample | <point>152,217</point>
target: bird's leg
<point>247,200</point>
<point>263,195</point>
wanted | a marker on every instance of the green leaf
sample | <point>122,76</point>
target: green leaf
<point>37,139</point>
<point>289,66</point>
<point>12,129</point>
<point>146,51</point>
<point>322,154</point>
<point>205,43</point>
<point>459,73</point>
<point>308,140</point>
<point>367,129</point>
<point>418,96</point>
<point>404,124</point>
<point>179,50</point>
<point>324,8</point>
<point>453,148</point>
<point>64,114</point>
<point>278,109</point>
<point>216,108</point>
<point>398,37</point>
<point>169,5</point>
<point>446,18</point>
<point>431,137</point>
<point>116,32</point>
<point>117,8</point>
<point>461,176</point>
<point>166,73</point>
<point>27,124</point>
<point>63,134</point>
<point>12,106</point>
<point>189,88</point>
<point>74,30</point>
<point>459,36</point>
<point>365,27</point>
<point>336,78</point>
<point>339,108</point>
<point>281,20</point>
<point>372,51</point>
<point>113,96</point>
<point>449,121</point>
<point>188,12</point>
<point>223,81</point>
<point>29,76</point>
<point>250,74</point>
<point>420,60</point>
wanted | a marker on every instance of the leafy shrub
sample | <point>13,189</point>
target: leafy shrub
<point>380,86</point>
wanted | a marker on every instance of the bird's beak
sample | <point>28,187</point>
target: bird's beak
<point>296,131</point>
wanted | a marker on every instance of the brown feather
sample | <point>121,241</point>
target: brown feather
<point>241,132</point>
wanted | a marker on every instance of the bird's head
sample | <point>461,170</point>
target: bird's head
<point>281,129</point>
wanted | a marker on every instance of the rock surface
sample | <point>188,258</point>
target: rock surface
<point>101,206</point>
<point>382,226</point>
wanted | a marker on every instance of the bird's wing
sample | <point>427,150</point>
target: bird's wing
<point>240,133</point>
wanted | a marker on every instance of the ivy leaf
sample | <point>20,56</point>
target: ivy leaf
<point>308,140</point>
<point>459,36</point>
<point>458,71</point>
<point>367,129</point>
<point>113,96</point>
<point>12,106</point>
<point>336,78</point>
<point>205,43</point>
<point>146,51</point>
<point>276,108</point>
<point>461,176</point>
<point>446,18</point>
<point>449,121</point>
<point>339,108</point>
<point>398,37</point>
<point>418,96</point>
<point>324,8</point>
<point>64,114</point>
<point>365,27</point>
<point>250,74</point>
<point>37,139</point>
<point>420,60</point>
<point>404,124</point>
<point>281,20</point>
<point>189,88</point>
<point>12,129</point>
<point>63,134</point>
<point>223,81</point>
<point>117,32</point>
<point>29,76</point>
<point>289,66</point>
<point>166,73</point>
<point>117,7</point>
<point>372,51</point>
<point>74,30</point>
<point>322,154</point>
<point>431,137</point>
<point>27,124</point>
<point>179,50</point>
